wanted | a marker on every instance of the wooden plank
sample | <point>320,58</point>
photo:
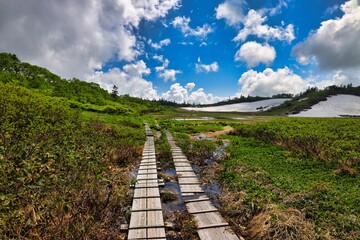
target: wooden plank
<point>186,174</point>
<point>213,234</point>
<point>196,200</point>
<point>153,192</point>
<point>215,225</point>
<point>137,233</point>
<point>199,206</point>
<point>188,180</point>
<point>138,220</point>
<point>204,211</point>
<point>148,176</point>
<point>153,203</point>
<point>207,219</point>
<point>146,210</point>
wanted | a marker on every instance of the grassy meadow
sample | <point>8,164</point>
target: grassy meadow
<point>284,178</point>
<point>67,158</point>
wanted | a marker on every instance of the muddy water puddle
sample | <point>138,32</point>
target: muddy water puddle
<point>207,173</point>
<point>171,207</point>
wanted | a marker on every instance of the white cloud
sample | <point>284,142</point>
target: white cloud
<point>165,73</point>
<point>331,10</point>
<point>232,11</point>
<point>190,86</point>
<point>129,80</point>
<point>335,45</point>
<point>183,24</point>
<point>254,53</point>
<point>254,25</point>
<point>44,32</point>
<point>212,67</point>
<point>270,82</point>
<point>159,58</point>
<point>169,74</point>
<point>159,45</point>
<point>284,80</point>
<point>186,43</point>
<point>338,78</point>
<point>181,94</point>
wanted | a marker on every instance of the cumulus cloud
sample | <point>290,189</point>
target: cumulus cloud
<point>212,67</point>
<point>165,73</point>
<point>232,11</point>
<point>338,78</point>
<point>270,82</point>
<point>181,94</point>
<point>159,45</point>
<point>254,24</point>
<point>129,80</point>
<point>182,23</point>
<point>43,32</point>
<point>254,53</point>
<point>335,45</point>
<point>284,80</point>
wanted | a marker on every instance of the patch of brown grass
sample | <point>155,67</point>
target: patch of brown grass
<point>185,226</point>
<point>280,223</point>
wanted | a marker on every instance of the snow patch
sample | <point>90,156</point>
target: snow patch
<point>242,107</point>
<point>334,106</point>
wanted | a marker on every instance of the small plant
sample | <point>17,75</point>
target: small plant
<point>168,196</point>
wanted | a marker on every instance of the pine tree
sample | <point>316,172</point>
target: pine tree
<point>115,91</point>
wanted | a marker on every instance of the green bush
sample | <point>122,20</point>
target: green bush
<point>60,178</point>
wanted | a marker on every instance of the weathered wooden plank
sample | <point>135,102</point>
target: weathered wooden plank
<point>186,174</point>
<point>197,199</point>
<point>213,234</point>
<point>138,219</point>
<point>214,225</point>
<point>154,203</point>
<point>153,192</point>
<point>207,219</point>
<point>183,164</point>
<point>188,180</point>
<point>140,192</point>
<point>137,233</point>
<point>148,176</point>
<point>199,206</point>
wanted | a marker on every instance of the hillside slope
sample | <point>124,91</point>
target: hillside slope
<point>79,94</point>
<point>256,106</point>
<point>334,106</point>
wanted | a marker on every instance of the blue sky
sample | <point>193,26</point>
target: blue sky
<point>193,51</point>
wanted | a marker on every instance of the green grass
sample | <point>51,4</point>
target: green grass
<point>62,177</point>
<point>192,127</point>
<point>332,140</point>
<point>271,175</point>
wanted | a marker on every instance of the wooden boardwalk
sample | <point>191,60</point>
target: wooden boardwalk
<point>210,223</point>
<point>147,220</point>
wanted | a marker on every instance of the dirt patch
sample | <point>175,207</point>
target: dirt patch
<point>226,130</point>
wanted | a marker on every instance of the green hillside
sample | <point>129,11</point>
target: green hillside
<point>79,94</point>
